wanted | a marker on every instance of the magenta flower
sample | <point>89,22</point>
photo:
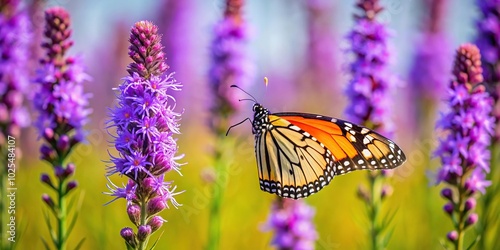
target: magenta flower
<point>145,123</point>
<point>431,63</point>
<point>291,222</point>
<point>62,112</point>
<point>371,79</point>
<point>230,61</point>
<point>464,150</point>
<point>15,37</point>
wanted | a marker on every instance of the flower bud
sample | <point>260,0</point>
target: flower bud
<point>48,200</point>
<point>470,204</point>
<point>447,193</point>
<point>128,235</point>
<point>45,178</point>
<point>59,172</point>
<point>155,223</point>
<point>143,232</point>
<point>48,134</point>
<point>63,143</point>
<point>156,205</point>
<point>448,208</point>
<point>69,170</point>
<point>452,236</point>
<point>71,185</point>
<point>47,153</point>
<point>134,214</point>
<point>471,220</point>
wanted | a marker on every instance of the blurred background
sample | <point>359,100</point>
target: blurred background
<point>279,49</point>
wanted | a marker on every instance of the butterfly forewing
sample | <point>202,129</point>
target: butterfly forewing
<point>298,154</point>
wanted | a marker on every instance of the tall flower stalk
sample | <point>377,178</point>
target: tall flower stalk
<point>230,65</point>
<point>368,92</point>
<point>464,150</point>
<point>62,113</point>
<point>291,222</point>
<point>145,122</point>
<point>14,50</point>
<point>489,45</point>
<point>431,64</point>
<point>321,64</point>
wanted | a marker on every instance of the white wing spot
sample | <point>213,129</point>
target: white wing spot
<point>391,156</point>
<point>295,128</point>
<point>373,162</point>
<point>352,132</point>
<point>348,124</point>
<point>319,116</point>
<point>364,131</point>
<point>346,163</point>
<point>366,153</point>
<point>352,138</point>
<point>366,141</point>
<point>306,134</point>
<point>383,161</point>
<point>347,128</point>
<point>360,161</point>
<point>333,120</point>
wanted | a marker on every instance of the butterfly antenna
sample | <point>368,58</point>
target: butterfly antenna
<point>253,98</point>
<point>232,126</point>
<point>266,82</point>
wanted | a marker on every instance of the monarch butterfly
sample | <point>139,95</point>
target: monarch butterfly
<point>298,153</point>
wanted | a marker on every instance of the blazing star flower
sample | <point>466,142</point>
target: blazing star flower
<point>291,222</point>
<point>145,122</point>
<point>368,89</point>
<point>489,44</point>
<point>368,92</point>
<point>464,150</point>
<point>230,61</point>
<point>15,37</point>
<point>62,111</point>
<point>431,64</point>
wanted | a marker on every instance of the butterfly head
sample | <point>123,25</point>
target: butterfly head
<point>260,118</point>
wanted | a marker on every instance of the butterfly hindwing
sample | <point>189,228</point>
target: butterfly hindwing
<point>292,163</point>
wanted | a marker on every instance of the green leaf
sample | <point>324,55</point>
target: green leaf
<point>80,244</point>
<point>156,241</point>
<point>51,229</point>
<point>478,238</point>
<point>45,244</point>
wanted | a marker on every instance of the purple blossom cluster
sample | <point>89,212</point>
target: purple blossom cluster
<point>432,62</point>
<point>230,60</point>
<point>368,89</point>
<point>369,101</point>
<point>62,109</point>
<point>464,150</point>
<point>15,39</point>
<point>488,41</point>
<point>60,100</point>
<point>291,221</point>
<point>145,123</point>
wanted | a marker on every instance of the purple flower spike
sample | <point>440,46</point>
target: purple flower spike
<point>291,221</point>
<point>230,61</point>
<point>489,44</point>
<point>62,109</point>
<point>368,91</point>
<point>145,122</point>
<point>464,149</point>
<point>15,42</point>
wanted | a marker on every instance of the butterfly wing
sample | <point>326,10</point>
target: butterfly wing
<point>303,152</point>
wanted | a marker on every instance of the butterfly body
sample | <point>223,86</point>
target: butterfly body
<point>298,153</point>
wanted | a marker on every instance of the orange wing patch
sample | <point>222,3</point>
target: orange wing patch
<point>325,131</point>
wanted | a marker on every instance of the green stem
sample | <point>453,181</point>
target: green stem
<point>218,193</point>
<point>143,244</point>
<point>61,220</point>
<point>373,209</point>
<point>461,214</point>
